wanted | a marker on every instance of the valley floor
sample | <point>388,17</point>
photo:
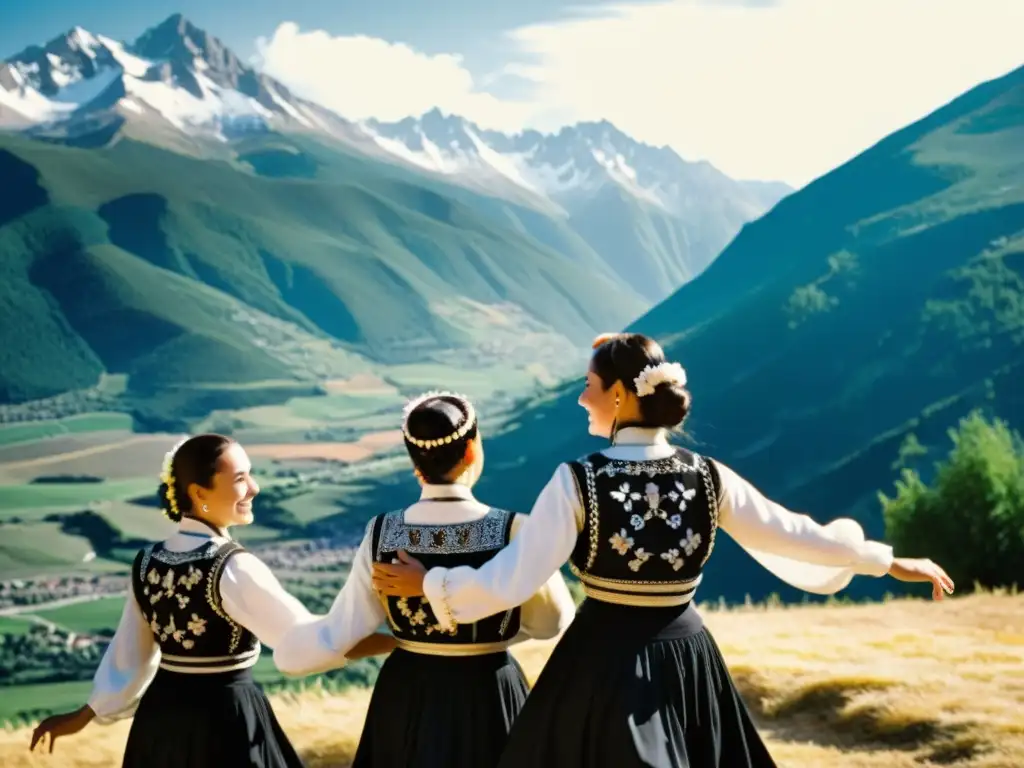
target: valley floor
<point>898,684</point>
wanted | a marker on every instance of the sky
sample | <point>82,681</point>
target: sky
<point>763,89</point>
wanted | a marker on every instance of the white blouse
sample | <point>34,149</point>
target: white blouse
<point>809,556</point>
<point>358,610</point>
<point>251,595</point>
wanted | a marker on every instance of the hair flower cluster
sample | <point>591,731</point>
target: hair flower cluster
<point>662,373</point>
<point>167,478</point>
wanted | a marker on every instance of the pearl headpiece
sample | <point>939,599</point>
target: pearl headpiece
<point>662,373</point>
<point>439,441</point>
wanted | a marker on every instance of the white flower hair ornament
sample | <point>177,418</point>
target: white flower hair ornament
<point>167,477</point>
<point>447,439</point>
<point>662,373</point>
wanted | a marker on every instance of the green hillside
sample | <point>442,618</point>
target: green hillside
<point>885,298</point>
<point>170,269</point>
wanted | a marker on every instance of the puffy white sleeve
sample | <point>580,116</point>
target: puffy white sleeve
<point>253,597</point>
<point>320,644</point>
<point>822,559</point>
<point>510,578</point>
<point>551,609</point>
<point>127,668</point>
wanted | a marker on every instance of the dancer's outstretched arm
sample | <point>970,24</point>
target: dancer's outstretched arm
<point>348,631</point>
<point>800,551</point>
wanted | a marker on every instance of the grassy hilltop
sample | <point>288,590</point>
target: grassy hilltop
<point>906,684</point>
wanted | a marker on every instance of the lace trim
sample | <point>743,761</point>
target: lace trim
<point>159,553</point>
<point>485,533</point>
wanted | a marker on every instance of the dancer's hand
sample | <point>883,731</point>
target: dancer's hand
<point>62,725</point>
<point>402,579</point>
<point>914,569</point>
<point>373,645</point>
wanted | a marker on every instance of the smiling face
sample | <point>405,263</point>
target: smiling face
<point>599,403</point>
<point>228,500</point>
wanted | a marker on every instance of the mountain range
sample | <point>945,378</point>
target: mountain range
<point>654,218</point>
<point>892,304</point>
<point>169,213</point>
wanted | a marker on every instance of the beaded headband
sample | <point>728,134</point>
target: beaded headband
<point>167,477</point>
<point>438,441</point>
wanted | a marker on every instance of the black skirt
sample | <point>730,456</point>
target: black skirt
<point>441,711</point>
<point>217,720</point>
<point>635,688</point>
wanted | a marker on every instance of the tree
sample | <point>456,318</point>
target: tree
<point>971,519</point>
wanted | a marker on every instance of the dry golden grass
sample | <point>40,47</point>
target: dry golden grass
<point>900,685</point>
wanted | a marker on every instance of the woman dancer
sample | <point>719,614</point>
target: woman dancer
<point>181,659</point>
<point>637,680</point>
<point>447,697</point>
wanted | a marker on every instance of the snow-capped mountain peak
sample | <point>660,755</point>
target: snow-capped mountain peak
<point>580,160</point>
<point>175,73</point>
<point>177,79</point>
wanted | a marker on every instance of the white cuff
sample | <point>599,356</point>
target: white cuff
<point>876,559</point>
<point>110,718</point>
<point>434,589</point>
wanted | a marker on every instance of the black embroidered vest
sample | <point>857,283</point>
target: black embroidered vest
<point>413,621</point>
<point>179,594</point>
<point>649,527</point>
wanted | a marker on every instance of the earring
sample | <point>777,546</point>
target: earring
<point>205,508</point>
<point>616,401</point>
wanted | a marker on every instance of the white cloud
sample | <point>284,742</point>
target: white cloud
<point>764,89</point>
<point>786,90</point>
<point>360,77</point>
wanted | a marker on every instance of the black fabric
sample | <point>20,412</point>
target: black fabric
<point>645,522</point>
<point>441,711</point>
<point>450,545</point>
<point>179,596</point>
<point>218,720</point>
<point>635,688</point>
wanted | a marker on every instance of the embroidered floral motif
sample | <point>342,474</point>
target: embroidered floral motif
<point>192,578</point>
<point>640,556</point>
<point>672,558</point>
<point>168,586</point>
<point>171,631</point>
<point>621,542</point>
<point>419,617</point>
<point>654,504</point>
<point>682,495</point>
<point>197,626</point>
<point>176,588</point>
<point>652,495</point>
<point>625,496</point>
<point>691,542</point>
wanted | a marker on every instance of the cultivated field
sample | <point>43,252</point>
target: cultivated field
<point>903,684</point>
<point>363,448</point>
